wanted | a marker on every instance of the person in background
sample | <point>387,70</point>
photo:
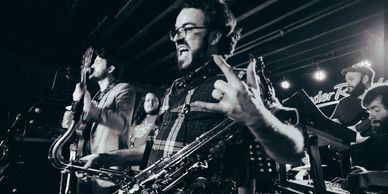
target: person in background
<point>370,159</point>
<point>349,111</point>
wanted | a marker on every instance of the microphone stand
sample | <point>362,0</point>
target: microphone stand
<point>21,121</point>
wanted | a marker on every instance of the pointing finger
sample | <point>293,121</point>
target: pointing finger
<point>226,69</point>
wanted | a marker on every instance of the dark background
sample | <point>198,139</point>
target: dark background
<point>42,41</point>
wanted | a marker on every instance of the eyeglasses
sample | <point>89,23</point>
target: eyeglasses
<point>182,31</point>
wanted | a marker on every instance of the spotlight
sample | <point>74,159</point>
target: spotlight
<point>320,75</point>
<point>366,63</point>
<point>285,84</point>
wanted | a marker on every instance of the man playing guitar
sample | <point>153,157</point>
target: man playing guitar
<point>349,111</point>
<point>109,113</point>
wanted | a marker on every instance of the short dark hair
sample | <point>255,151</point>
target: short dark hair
<point>108,55</point>
<point>375,92</point>
<point>219,17</point>
<point>140,113</point>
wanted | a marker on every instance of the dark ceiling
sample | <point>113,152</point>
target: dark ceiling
<point>293,36</point>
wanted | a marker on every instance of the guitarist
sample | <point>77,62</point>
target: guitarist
<point>109,113</point>
<point>349,111</point>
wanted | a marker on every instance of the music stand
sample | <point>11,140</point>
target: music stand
<point>308,113</point>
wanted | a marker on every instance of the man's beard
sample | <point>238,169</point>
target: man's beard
<point>358,90</point>
<point>198,59</point>
<point>382,128</point>
<point>95,77</point>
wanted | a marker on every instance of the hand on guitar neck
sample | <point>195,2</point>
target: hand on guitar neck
<point>81,92</point>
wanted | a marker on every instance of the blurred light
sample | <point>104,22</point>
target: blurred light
<point>366,63</point>
<point>320,75</point>
<point>285,84</point>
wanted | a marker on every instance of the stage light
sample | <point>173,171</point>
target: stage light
<point>366,63</point>
<point>319,75</point>
<point>285,84</point>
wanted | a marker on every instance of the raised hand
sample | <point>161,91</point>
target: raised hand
<point>78,92</point>
<point>239,100</point>
<point>242,102</point>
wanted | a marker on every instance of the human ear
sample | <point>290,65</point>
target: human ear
<point>215,37</point>
<point>111,68</point>
<point>365,79</point>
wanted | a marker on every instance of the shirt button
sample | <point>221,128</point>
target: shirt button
<point>165,123</point>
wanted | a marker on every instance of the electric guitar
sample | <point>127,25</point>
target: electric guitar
<point>363,127</point>
<point>85,70</point>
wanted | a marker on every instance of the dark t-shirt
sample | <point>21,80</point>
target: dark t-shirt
<point>371,154</point>
<point>138,134</point>
<point>349,111</point>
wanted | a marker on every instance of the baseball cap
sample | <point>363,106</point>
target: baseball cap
<point>360,67</point>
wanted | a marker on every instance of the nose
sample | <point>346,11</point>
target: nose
<point>177,37</point>
<point>371,116</point>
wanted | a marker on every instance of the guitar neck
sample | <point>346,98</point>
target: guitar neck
<point>364,125</point>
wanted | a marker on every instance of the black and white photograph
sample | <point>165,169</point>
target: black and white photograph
<point>194,97</point>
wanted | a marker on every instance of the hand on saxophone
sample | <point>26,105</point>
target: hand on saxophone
<point>239,100</point>
<point>92,160</point>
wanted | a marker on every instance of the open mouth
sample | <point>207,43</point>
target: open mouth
<point>182,49</point>
<point>375,122</point>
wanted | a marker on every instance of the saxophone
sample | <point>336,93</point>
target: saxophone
<point>168,173</point>
<point>57,160</point>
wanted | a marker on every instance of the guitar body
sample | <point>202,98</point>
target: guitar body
<point>363,127</point>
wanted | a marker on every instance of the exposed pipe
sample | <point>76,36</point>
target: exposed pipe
<point>319,61</point>
<point>127,11</point>
<point>294,26</point>
<point>279,18</point>
<point>145,29</point>
<point>340,27</point>
<point>255,10</point>
<point>317,56</point>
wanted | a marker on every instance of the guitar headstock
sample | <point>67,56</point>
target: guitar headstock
<point>85,67</point>
<point>87,57</point>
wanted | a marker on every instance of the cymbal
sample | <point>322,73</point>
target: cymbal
<point>305,167</point>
